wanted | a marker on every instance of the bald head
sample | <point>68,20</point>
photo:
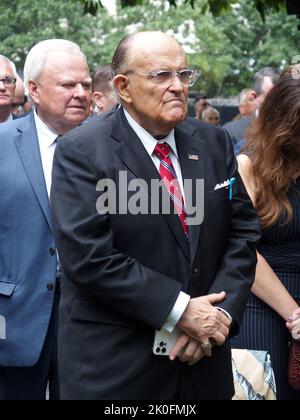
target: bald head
<point>211,116</point>
<point>140,47</point>
<point>152,80</point>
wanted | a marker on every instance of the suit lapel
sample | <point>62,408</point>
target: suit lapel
<point>191,153</point>
<point>27,145</point>
<point>133,154</point>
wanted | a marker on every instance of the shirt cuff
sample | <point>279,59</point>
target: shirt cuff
<point>177,311</point>
<point>226,314</point>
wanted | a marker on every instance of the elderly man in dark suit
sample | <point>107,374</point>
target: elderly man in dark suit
<point>145,277</point>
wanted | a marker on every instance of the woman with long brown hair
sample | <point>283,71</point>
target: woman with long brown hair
<point>270,168</point>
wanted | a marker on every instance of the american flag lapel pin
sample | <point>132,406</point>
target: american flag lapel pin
<point>193,157</point>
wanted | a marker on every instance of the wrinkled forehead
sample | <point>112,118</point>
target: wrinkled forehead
<point>64,64</point>
<point>161,53</point>
<point>64,59</point>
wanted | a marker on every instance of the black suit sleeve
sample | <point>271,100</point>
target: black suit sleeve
<point>237,270</point>
<point>85,243</point>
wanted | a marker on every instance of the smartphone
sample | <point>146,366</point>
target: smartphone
<point>165,341</point>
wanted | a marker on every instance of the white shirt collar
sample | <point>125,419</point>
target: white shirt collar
<point>149,142</point>
<point>48,136</point>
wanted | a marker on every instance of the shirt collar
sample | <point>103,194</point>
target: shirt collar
<point>44,132</point>
<point>149,142</point>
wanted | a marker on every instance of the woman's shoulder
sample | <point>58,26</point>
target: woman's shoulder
<point>244,163</point>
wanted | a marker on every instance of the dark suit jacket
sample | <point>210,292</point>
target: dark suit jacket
<point>124,272</point>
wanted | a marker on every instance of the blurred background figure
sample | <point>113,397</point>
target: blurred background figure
<point>211,115</point>
<point>20,105</point>
<point>247,102</point>
<point>201,102</point>
<point>247,106</point>
<point>292,71</point>
<point>103,96</point>
<point>8,77</point>
<point>264,81</point>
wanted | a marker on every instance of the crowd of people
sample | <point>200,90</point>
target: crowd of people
<point>112,288</point>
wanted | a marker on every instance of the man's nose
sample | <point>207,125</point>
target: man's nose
<point>176,85</point>
<point>2,85</point>
<point>79,91</point>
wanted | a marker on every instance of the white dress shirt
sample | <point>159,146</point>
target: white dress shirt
<point>149,142</point>
<point>47,144</point>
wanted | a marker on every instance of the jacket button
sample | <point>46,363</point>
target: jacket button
<point>52,251</point>
<point>196,270</point>
<point>50,287</point>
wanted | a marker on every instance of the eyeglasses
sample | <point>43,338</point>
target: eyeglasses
<point>163,77</point>
<point>8,81</point>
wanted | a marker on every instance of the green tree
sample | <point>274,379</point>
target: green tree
<point>255,44</point>
<point>24,22</point>
<point>215,6</point>
<point>207,47</point>
<point>227,49</point>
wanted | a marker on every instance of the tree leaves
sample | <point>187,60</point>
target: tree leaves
<point>215,6</point>
<point>227,48</point>
<point>91,6</point>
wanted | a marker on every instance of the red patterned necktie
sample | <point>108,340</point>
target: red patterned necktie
<point>168,175</point>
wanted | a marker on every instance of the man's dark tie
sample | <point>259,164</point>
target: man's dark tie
<point>168,175</point>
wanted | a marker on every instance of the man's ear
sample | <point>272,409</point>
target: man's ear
<point>34,91</point>
<point>122,86</point>
<point>97,98</point>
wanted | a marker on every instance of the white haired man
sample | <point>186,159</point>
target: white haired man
<point>57,78</point>
<point>8,78</point>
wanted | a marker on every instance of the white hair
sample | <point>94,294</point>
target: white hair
<point>37,56</point>
<point>12,65</point>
